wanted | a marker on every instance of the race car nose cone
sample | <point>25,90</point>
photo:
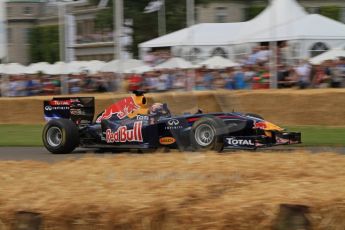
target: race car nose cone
<point>265,125</point>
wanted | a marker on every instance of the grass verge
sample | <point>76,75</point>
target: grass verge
<point>21,135</point>
<point>30,135</point>
<point>321,135</point>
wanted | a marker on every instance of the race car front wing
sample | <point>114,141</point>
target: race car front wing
<point>262,141</point>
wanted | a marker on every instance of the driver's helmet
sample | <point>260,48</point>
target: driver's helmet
<point>159,109</point>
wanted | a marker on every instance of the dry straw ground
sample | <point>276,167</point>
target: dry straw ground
<point>286,107</point>
<point>175,191</point>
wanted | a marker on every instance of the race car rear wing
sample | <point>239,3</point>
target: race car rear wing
<point>79,109</point>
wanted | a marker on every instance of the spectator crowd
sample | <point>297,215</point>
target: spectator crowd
<point>253,73</point>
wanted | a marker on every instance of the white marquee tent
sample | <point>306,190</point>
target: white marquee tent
<point>139,70</point>
<point>117,66</point>
<point>218,62</point>
<point>278,13</point>
<point>329,55</point>
<point>203,34</point>
<point>13,69</point>
<point>313,26</point>
<point>281,20</point>
<point>37,67</point>
<point>175,63</point>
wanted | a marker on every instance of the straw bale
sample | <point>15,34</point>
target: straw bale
<point>175,191</point>
<point>288,107</point>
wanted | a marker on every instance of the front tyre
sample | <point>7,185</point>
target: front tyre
<point>60,136</point>
<point>207,134</point>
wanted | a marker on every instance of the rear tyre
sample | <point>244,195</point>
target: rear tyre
<point>60,136</point>
<point>207,134</point>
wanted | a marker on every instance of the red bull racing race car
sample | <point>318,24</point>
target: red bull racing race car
<point>131,124</point>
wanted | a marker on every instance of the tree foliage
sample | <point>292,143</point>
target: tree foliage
<point>44,44</point>
<point>145,26</point>
<point>253,11</point>
<point>333,12</point>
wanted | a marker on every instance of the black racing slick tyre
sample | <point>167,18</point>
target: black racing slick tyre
<point>60,136</point>
<point>207,134</point>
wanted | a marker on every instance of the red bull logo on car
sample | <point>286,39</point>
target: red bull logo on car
<point>264,125</point>
<point>122,108</point>
<point>122,134</point>
<point>260,125</point>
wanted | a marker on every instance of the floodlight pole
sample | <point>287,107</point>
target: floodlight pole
<point>161,20</point>
<point>190,13</point>
<point>118,32</point>
<point>5,78</point>
<point>62,13</point>
<point>118,24</point>
<point>190,8</point>
<point>273,56</point>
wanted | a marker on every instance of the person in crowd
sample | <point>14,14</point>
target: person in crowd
<point>88,84</point>
<point>219,81</point>
<point>134,82</point>
<point>263,55</point>
<point>320,77</point>
<point>49,88</point>
<point>33,85</point>
<point>303,74</point>
<point>249,75</point>
<point>283,77</point>
<point>208,77</point>
<point>338,77</point>
<point>239,78</point>
<point>229,80</point>
<point>162,83</point>
<point>180,83</point>
<point>252,59</point>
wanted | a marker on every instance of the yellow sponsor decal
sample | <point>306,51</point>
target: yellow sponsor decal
<point>167,140</point>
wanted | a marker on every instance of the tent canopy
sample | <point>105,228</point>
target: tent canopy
<point>175,63</point>
<point>139,70</point>
<point>281,20</point>
<point>277,13</point>
<point>37,67</point>
<point>13,69</point>
<point>217,62</point>
<point>199,35</point>
<point>313,27</point>
<point>117,66</point>
<point>329,55</point>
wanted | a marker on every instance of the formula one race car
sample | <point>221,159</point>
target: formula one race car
<point>131,124</point>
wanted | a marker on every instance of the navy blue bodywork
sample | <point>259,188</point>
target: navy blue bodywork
<point>150,132</point>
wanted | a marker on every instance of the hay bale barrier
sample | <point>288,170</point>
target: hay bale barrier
<point>244,190</point>
<point>288,107</point>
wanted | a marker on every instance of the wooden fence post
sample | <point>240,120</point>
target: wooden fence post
<point>27,221</point>
<point>292,217</point>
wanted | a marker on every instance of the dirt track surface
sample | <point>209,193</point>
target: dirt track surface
<point>175,191</point>
<point>287,107</point>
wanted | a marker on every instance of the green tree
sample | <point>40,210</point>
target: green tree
<point>253,11</point>
<point>331,12</point>
<point>44,44</point>
<point>145,26</point>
